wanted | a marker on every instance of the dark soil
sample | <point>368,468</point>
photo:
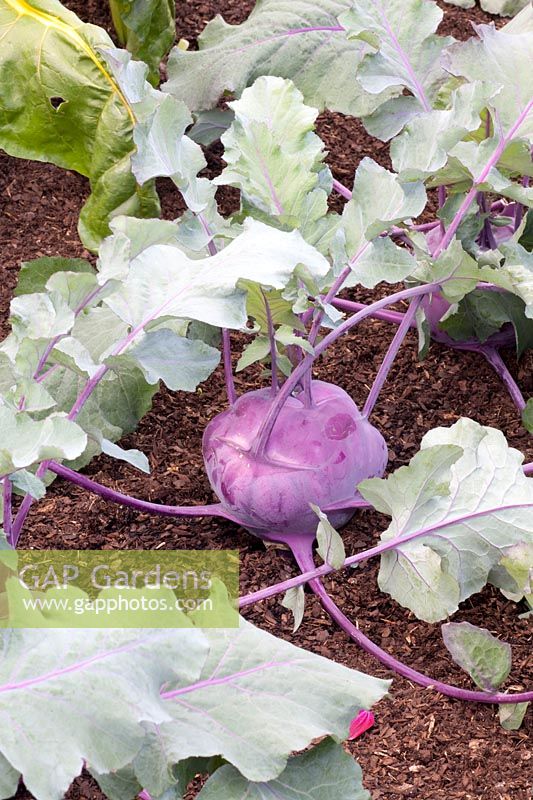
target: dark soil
<point>423,746</point>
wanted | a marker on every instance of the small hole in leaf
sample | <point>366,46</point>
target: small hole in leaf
<point>56,102</point>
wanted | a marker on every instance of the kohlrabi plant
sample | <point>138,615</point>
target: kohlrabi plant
<point>294,460</point>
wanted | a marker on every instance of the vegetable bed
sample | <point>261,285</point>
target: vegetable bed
<point>423,745</point>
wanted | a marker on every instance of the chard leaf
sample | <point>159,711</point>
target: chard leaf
<point>295,39</point>
<point>486,659</point>
<point>456,508</point>
<point>33,275</point>
<point>147,28</point>
<point>326,772</point>
<point>274,157</point>
<point>179,362</point>
<point>103,684</point>
<point>242,681</point>
<point>70,110</point>
<point>294,600</point>
<point>408,51</point>
<point>163,282</point>
<point>26,442</point>
<point>379,200</point>
<point>133,457</point>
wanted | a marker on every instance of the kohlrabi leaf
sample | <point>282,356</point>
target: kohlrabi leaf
<point>518,269</point>
<point>102,684</point>
<point>486,659</point>
<point>27,483</point>
<point>506,8</point>
<point>501,60</point>
<point>244,680</point>
<point>133,456</point>
<point>518,564</point>
<point>162,149</point>
<point>210,125</point>
<point>163,282</point>
<point>379,201</point>
<point>60,103</point>
<point>274,157</point>
<point>461,502</point>
<point>481,314</point>
<point>33,275</point>
<point>296,39</point>
<point>423,147</point>
<point>179,362</point>
<point>407,51</point>
<point>26,441</point>
<point>147,28</point>
<point>294,601</point>
<point>511,715</point>
<point>327,772</point>
<point>330,545</point>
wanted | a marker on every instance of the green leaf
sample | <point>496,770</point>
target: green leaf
<point>99,680</point>
<point>526,237</point>
<point>179,362</point>
<point>379,200</point>
<point>41,316</point>
<point>26,442</point>
<point>512,715</point>
<point>133,457</point>
<point>294,600</point>
<point>27,483</point>
<point>210,125</point>
<point>244,679</point>
<point>467,491</point>
<point>402,32</point>
<point>33,275</point>
<point>486,659</point>
<point>273,155</point>
<point>293,39</point>
<point>518,564</point>
<point>330,545</point>
<point>422,149</point>
<point>60,103</point>
<point>326,772</point>
<point>147,28</point>
<point>256,350</point>
<point>506,8</point>
<point>481,314</point>
<point>518,270</point>
<point>499,58</point>
<point>163,282</point>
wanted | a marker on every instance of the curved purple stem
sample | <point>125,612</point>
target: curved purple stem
<point>391,354</point>
<point>213,510</point>
<point>304,558</point>
<point>7,518</point>
<point>288,387</point>
<point>395,317</point>
<point>497,362</point>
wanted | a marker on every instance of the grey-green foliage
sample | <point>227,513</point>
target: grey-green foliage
<point>506,8</point>
<point>325,773</point>
<point>59,103</point>
<point>486,659</point>
<point>147,28</point>
<point>277,161</point>
<point>113,693</point>
<point>247,674</point>
<point>466,492</point>
<point>280,37</point>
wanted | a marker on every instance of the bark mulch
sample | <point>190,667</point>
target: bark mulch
<point>423,746</point>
